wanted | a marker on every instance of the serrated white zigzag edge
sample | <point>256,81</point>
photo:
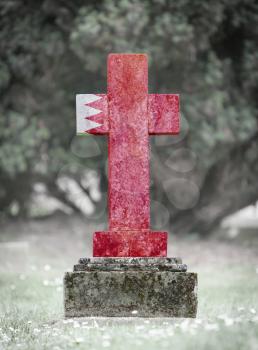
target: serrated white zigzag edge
<point>83,112</point>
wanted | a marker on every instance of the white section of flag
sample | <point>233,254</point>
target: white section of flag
<point>83,112</point>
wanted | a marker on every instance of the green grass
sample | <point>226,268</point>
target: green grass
<point>31,316</point>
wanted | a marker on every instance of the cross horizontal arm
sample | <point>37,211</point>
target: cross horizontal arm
<point>163,114</point>
<point>92,114</point>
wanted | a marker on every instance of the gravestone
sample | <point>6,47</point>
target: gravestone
<point>129,273</point>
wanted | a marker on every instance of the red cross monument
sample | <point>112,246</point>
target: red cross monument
<point>128,115</point>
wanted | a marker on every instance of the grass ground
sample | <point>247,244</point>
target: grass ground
<point>31,299</point>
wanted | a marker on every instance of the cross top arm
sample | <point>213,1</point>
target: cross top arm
<point>92,115</point>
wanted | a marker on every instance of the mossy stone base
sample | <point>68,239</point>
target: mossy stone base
<point>131,292</point>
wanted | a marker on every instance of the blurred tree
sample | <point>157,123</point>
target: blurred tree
<point>204,50</point>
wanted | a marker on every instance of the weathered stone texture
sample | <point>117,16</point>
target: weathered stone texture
<point>125,264</point>
<point>131,260</point>
<point>119,292</point>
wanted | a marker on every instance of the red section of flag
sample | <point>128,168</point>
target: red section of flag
<point>163,112</point>
<point>102,117</point>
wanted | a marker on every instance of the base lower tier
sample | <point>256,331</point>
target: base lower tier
<point>121,292</point>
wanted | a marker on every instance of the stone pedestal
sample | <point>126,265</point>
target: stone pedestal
<point>126,287</point>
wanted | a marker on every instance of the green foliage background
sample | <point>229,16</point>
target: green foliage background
<point>51,50</point>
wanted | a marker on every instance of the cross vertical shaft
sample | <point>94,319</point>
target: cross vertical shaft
<point>129,203</point>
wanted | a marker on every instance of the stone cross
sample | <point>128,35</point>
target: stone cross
<point>128,115</point>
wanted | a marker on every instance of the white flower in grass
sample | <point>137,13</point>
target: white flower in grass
<point>198,321</point>
<point>211,327</point>
<point>253,311</point>
<point>95,324</point>
<point>156,332</point>
<point>139,327</point>
<point>134,312</point>
<point>69,320</point>
<point>240,308</point>
<point>79,340</point>
<point>106,336</point>
<point>29,322</point>
<point>229,322</point>
<point>171,333</point>
<point>47,267</point>
<point>222,317</point>
<point>106,343</point>
<point>192,331</point>
<point>184,325</point>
